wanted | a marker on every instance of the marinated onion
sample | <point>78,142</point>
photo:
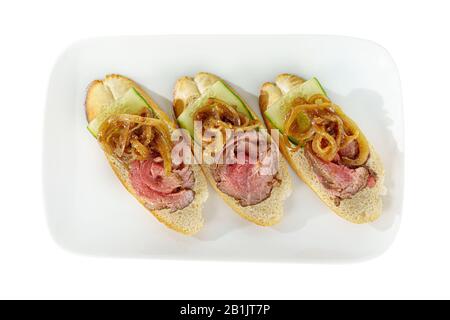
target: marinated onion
<point>330,132</point>
<point>218,115</point>
<point>327,152</point>
<point>132,137</point>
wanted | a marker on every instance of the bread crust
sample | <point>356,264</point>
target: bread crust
<point>266,213</point>
<point>188,220</point>
<point>363,207</point>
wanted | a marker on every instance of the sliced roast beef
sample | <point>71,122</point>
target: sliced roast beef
<point>372,181</point>
<point>244,182</point>
<point>350,151</point>
<point>248,179</point>
<point>173,191</point>
<point>342,182</point>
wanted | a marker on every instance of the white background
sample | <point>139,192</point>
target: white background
<point>33,34</point>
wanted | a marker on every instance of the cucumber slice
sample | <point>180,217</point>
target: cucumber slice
<point>130,103</point>
<point>218,90</point>
<point>278,111</point>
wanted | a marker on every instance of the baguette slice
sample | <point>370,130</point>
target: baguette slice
<point>366,205</point>
<point>265,213</point>
<point>104,92</point>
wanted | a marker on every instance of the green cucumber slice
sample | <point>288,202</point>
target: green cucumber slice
<point>130,103</point>
<point>278,111</point>
<point>218,90</point>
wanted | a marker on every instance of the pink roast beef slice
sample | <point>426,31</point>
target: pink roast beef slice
<point>341,181</point>
<point>372,181</point>
<point>350,151</point>
<point>173,191</point>
<point>249,179</point>
<point>243,182</point>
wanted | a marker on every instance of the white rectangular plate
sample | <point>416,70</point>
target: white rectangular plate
<point>90,212</point>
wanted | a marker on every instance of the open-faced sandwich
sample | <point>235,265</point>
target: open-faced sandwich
<point>325,147</point>
<point>256,187</point>
<point>135,135</point>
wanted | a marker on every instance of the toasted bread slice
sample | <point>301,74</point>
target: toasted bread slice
<point>265,213</point>
<point>366,205</point>
<point>103,92</point>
